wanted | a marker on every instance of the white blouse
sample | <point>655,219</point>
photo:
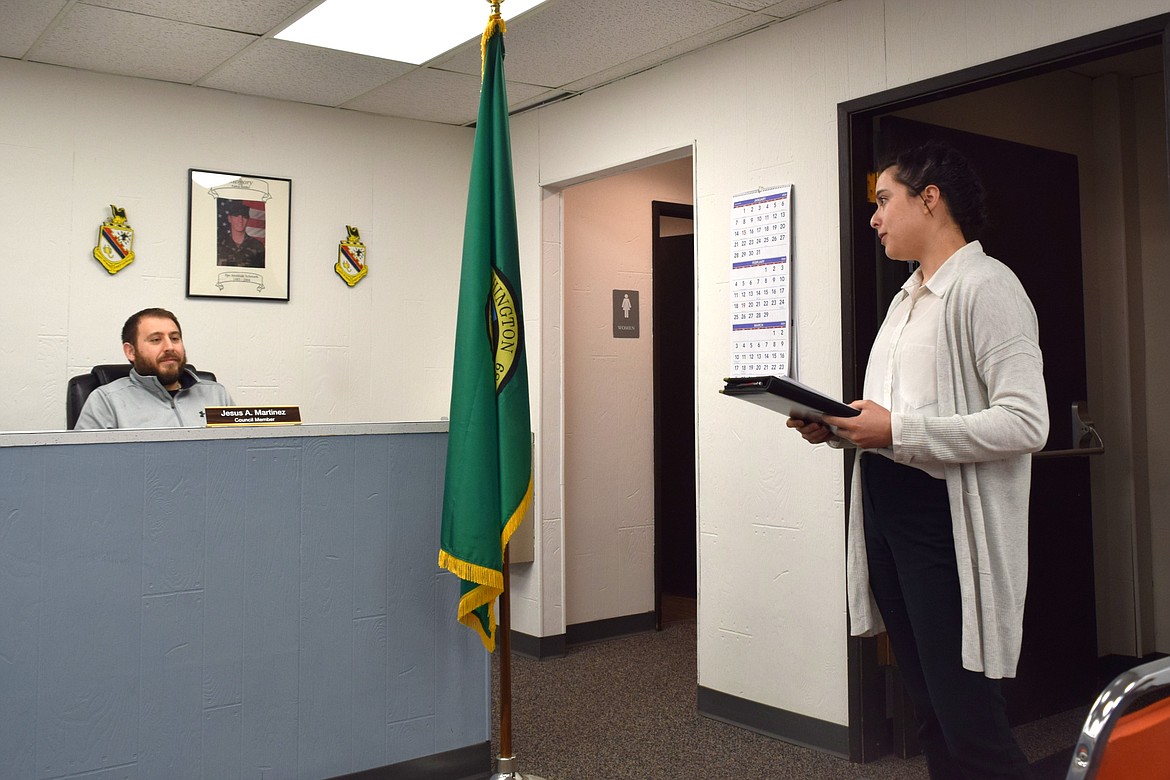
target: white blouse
<point>902,372</point>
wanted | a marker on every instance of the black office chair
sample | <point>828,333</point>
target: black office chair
<point>82,385</point>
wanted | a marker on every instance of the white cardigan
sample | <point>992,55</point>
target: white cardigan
<point>992,413</point>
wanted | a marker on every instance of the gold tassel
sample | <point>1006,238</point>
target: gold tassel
<point>495,24</point>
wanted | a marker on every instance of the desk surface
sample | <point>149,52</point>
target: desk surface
<point>40,438</point>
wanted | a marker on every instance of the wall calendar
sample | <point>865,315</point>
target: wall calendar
<point>761,269</point>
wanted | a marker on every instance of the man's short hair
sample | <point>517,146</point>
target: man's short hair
<point>236,208</point>
<point>130,329</point>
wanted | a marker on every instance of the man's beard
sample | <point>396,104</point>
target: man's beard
<point>166,372</point>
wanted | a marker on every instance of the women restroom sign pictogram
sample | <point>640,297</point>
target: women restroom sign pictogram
<point>625,314</point>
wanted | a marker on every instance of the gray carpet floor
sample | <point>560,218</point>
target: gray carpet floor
<point>625,709</point>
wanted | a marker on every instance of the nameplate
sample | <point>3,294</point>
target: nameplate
<point>221,416</point>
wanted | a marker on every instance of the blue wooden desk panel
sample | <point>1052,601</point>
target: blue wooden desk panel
<point>240,608</point>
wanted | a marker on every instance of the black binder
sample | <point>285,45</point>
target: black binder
<point>786,396</point>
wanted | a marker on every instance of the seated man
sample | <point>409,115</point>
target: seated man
<point>161,392</point>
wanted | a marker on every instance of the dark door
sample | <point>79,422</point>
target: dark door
<point>1034,228</point>
<point>674,403</point>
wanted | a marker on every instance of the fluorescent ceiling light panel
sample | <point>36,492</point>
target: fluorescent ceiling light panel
<point>412,31</point>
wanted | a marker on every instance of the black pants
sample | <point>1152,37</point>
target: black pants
<point>963,727</point>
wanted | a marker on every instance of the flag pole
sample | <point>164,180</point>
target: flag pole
<point>506,762</point>
<point>506,665</point>
<point>488,485</point>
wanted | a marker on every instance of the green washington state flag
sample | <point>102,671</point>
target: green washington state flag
<point>489,456</point>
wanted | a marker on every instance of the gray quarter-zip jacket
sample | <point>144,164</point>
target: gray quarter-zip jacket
<point>142,402</point>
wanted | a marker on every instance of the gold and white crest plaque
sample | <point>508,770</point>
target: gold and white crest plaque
<point>351,257</point>
<point>115,239</point>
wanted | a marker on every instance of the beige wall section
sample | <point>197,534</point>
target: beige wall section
<point>379,351</point>
<point>609,392</point>
<point>1053,111</point>
<point>1154,205</point>
<point>1109,304</point>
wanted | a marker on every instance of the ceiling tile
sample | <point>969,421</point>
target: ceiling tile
<point>23,23</point>
<point>249,17</point>
<point>108,41</point>
<point>562,42</point>
<point>436,96</point>
<point>559,49</point>
<point>307,74</point>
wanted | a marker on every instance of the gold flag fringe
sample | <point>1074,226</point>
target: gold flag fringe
<point>490,581</point>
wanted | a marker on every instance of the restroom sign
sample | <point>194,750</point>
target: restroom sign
<point>625,314</point>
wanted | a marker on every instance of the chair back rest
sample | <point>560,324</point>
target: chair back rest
<point>1118,744</point>
<point>80,386</point>
<point>1139,747</point>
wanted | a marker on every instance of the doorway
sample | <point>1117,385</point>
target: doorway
<point>1016,103</point>
<point>610,340</point>
<point>675,518</point>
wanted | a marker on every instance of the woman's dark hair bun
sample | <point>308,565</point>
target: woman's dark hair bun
<point>943,166</point>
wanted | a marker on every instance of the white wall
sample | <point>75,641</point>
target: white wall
<point>609,392</point>
<point>761,110</point>
<point>72,143</point>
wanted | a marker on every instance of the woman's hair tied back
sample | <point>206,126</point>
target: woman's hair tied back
<point>945,167</point>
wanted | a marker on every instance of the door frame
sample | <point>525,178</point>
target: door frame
<point>869,737</point>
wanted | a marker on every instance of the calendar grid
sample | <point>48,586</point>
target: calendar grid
<point>761,265</point>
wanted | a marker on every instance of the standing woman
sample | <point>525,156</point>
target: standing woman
<point>938,526</point>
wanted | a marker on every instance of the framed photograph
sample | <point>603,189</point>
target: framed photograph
<point>238,235</point>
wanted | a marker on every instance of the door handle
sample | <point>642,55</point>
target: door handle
<point>1085,439</point>
<point>1085,434</point>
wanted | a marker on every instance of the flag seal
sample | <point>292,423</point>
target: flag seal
<point>504,329</point>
